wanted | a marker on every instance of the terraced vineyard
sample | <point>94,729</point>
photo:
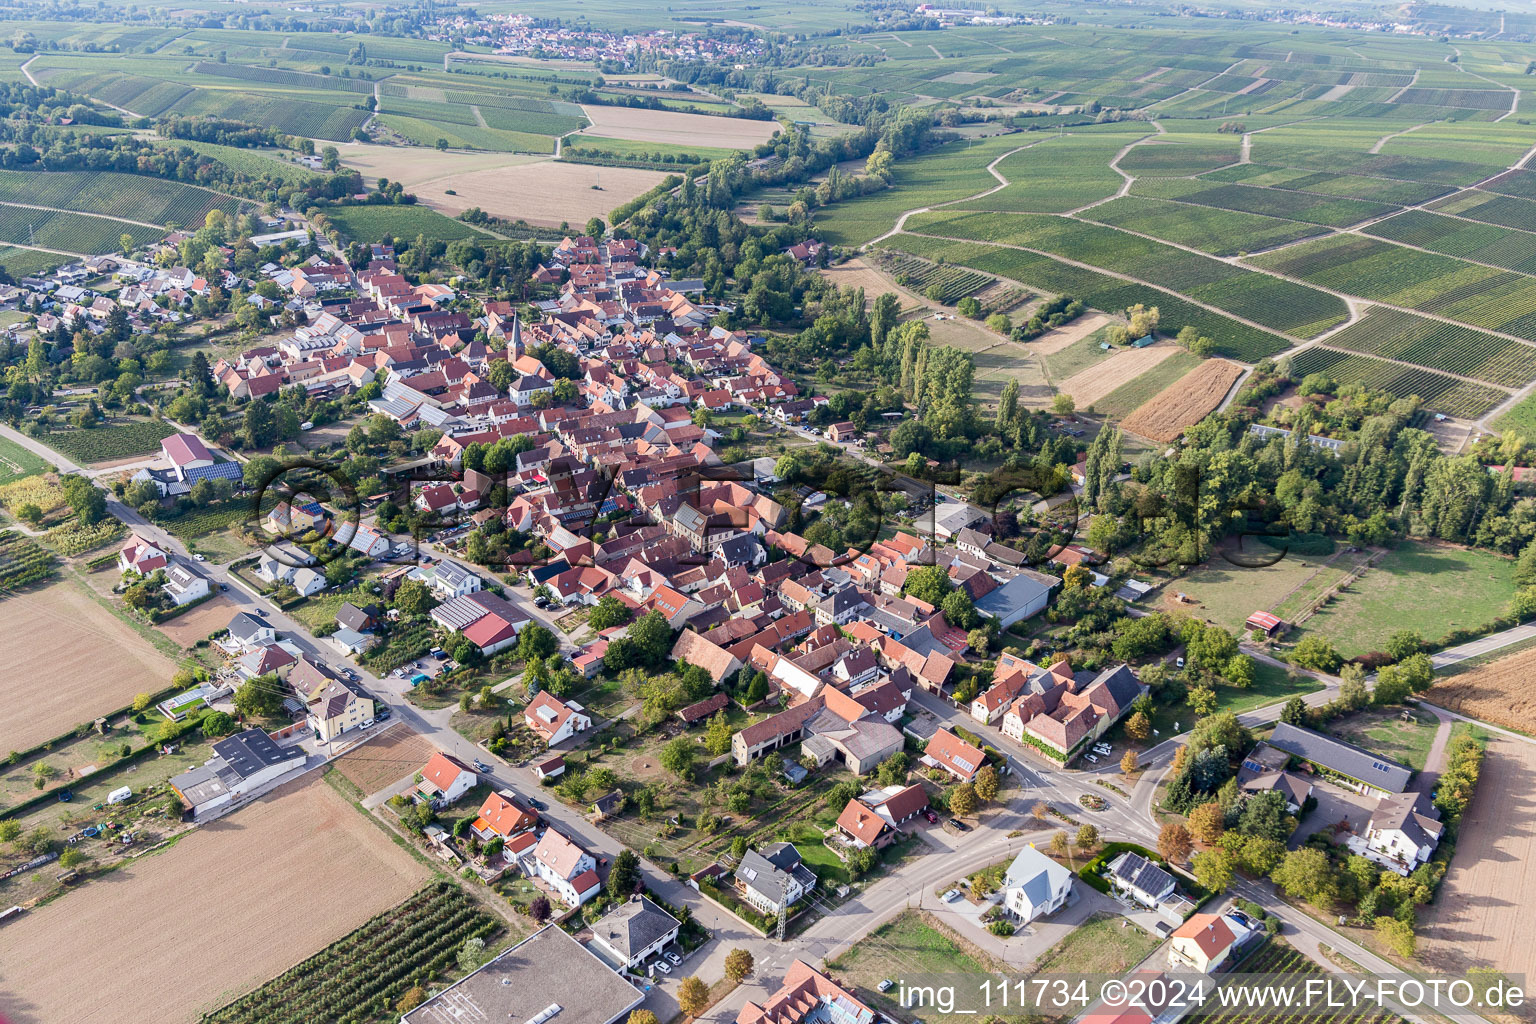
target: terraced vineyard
<point>954,283</point>
<point>1438,390</point>
<point>1436,345</point>
<point>132,196</point>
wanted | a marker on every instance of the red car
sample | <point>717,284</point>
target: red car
<point>933,819</point>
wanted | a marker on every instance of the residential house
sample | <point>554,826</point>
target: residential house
<point>444,779</point>
<point>1345,763</point>
<point>248,631</point>
<point>242,766</point>
<point>701,651</point>
<point>1035,886</point>
<point>183,584</point>
<point>1206,942</point>
<point>503,814</point>
<point>861,827</point>
<point>1140,879</point>
<point>1403,831</point>
<point>336,705</point>
<point>806,996</point>
<point>774,879</point>
<point>635,931</point>
<point>897,804</point>
<point>140,556</point>
<point>568,869</point>
<point>959,758</point>
<point>554,720</point>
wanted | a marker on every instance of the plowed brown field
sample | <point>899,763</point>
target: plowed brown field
<point>1185,402</point>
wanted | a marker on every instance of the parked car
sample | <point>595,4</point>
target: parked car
<point>885,985</point>
<point>382,714</point>
<point>933,819</point>
<point>482,767</point>
<point>663,967</point>
<point>952,895</point>
<point>1090,757</point>
<point>958,825</point>
<point>1179,662</point>
<point>674,958</point>
<point>199,558</point>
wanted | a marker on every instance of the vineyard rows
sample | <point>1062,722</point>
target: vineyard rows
<point>1307,207</point>
<point>1505,211</point>
<point>1276,304</point>
<point>22,562</point>
<point>99,444</point>
<point>1437,390</point>
<point>921,275</point>
<point>1099,291</point>
<point>1509,248</point>
<point>1439,346</point>
<point>1279,960</point>
<point>288,79</point>
<point>69,232</point>
<point>1475,99</point>
<point>287,114</point>
<point>363,974</point>
<point>73,539</point>
<point>132,196</point>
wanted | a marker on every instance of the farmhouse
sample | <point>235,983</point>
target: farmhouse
<point>635,931</point>
<point>548,969</point>
<point>1352,766</point>
<point>185,453</point>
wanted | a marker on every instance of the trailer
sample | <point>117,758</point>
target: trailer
<point>118,796</point>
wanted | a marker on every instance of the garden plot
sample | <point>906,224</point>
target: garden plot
<point>218,942</point>
<point>1052,342</point>
<point>386,759</point>
<point>90,663</point>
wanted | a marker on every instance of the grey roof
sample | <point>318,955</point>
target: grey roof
<point>250,751</point>
<point>1037,875</point>
<point>1016,593</point>
<point>352,617</point>
<point>1134,870</point>
<point>1413,815</point>
<point>1345,758</point>
<point>549,968</point>
<point>770,871</point>
<point>205,782</point>
<point>244,626</point>
<point>1122,683</point>
<point>452,573</point>
<point>633,926</point>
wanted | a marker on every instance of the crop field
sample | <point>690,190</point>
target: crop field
<point>1429,588</point>
<point>954,283</point>
<point>130,196</point>
<point>103,444</point>
<point>17,462</point>
<point>1179,154</point>
<point>1439,391</point>
<point>1481,915</point>
<point>1134,393</point>
<point>1091,384</point>
<point>73,539</point>
<point>55,964</point>
<point>1437,345</point>
<point>199,623</point>
<point>69,232</point>
<point>467,136</point>
<point>1324,183</point>
<point>1111,295</point>
<point>1327,211</point>
<point>674,127</point>
<point>20,263</point>
<point>391,755</point>
<point>1482,243</point>
<point>1280,305</point>
<point>364,974</point>
<point>1495,691</point>
<point>1185,402</point>
<point>56,686</point>
<point>1521,418</point>
<point>1220,232</point>
<point>541,192</point>
<point>375,222</point>
<point>23,563</point>
<point>1505,211</point>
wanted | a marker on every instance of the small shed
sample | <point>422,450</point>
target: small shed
<point>1265,622</point>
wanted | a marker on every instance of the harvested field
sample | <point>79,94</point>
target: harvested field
<point>544,192</point>
<point>1480,916</point>
<point>91,663</point>
<point>386,759</point>
<point>1188,401</point>
<point>1054,341</point>
<point>1094,383</point>
<point>190,627</point>
<point>255,924</point>
<point>1498,692</point>
<point>412,165</point>
<point>855,273</point>
<point>674,127</point>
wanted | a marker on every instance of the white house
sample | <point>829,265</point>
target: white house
<point>566,867</point>
<point>1206,941</point>
<point>183,585</point>
<point>1403,832</point>
<point>444,779</point>
<point>140,556</point>
<point>241,766</point>
<point>774,878</point>
<point>362,538</point>
<point>555,720</point>
<point>249,631</point>
<point>307,582</point>
<point>635,931</point>
<point>1035,886</point>
<point>450,580</point>
<point>1139,878</point>
<point>185,452</point>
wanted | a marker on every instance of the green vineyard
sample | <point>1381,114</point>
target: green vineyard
<point>131,196</point>
<point>1509,248</point>
<point>69,232</point>
<point>22,563</point>
<point>1437,390</point>
<point>1436,345</point>
<point>1282,960</point>
<point>920,275</point>
<point>99,444</point>
<point>362,975</point>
